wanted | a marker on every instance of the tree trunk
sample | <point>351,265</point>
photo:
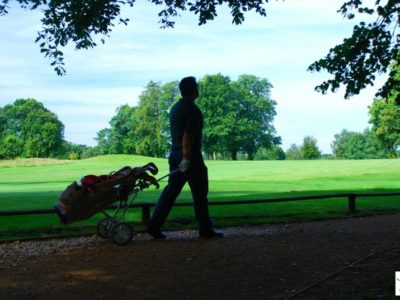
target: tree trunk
<point>234,155</point>
<point>214,156</point>
<point>250,155</point>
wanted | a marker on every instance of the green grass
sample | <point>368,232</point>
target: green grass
<point>36,184</point>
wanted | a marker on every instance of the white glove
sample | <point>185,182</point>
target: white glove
<point>184,165</point>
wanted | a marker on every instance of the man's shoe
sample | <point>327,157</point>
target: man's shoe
<point>156,233</point>
<point>210,233</point>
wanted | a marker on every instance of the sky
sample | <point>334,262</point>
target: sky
<point>279,48</point>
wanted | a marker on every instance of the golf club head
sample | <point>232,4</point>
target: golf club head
<point>151,167</point>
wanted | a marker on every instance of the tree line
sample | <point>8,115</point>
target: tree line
<point>382,140</point>
<point>238,119</point>
<point>28,129</point>
<point>238,116</point>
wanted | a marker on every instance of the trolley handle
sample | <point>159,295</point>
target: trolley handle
<point>169,174</point>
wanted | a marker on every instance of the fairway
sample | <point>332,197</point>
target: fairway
<point>36,184</point>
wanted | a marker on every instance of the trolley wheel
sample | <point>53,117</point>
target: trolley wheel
<point>104,227</point>
<point>121,233</point>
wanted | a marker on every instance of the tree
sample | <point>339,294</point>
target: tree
<point>169,95</point>
<point>121,138</point>
<point>143,129</point>
<point>357,145</point>
<point>238,114</point>
<point>151,116</point>
<point>348,145</point>
<point>216,101</point>
<point>394,88</point>
<point>294,152</point>
<point>309,149</point>
<point>374,148</point>
<point>3,123</point>
<point>255,114</point>
<point>371,49</point>
<point>44,134</point>
<point>103,141</point>
<point>385,120</point>
<point>38,129</point>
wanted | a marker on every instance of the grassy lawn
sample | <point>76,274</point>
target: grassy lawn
<point>36,184</point>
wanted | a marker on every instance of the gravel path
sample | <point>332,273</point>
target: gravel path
<point>250,262</point>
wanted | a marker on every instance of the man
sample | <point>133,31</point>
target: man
<point>186,125</point>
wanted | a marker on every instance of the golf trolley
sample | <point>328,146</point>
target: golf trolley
<point>94,194</point>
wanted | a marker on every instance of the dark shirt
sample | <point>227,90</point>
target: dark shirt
<point>186,116</point>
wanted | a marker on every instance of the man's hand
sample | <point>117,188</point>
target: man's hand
<point>184,165</point>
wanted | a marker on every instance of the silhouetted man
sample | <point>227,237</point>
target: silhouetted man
<point>186,125</point>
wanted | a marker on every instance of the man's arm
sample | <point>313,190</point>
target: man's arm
<point>187,144</point>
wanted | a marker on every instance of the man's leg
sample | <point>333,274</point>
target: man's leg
<point>198,182</point>
<point>167,200</point>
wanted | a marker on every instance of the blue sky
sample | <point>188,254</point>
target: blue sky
<point>279,48</point>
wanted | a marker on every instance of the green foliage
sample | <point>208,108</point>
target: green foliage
<point>357,145</point>
<point>169,94</point>
<point>10,146</point>
<point>385,120</point>
<point>218,107</point>
<point>37,129</point>
<point>255,114</point>
<point>272,153</point>
<point>309,149</point>
<point>72,151</point>
<point>238,115</point>
<point>369,51</point>
<point>121,137</point>
<point>394,86</point>
<point>348,145</point>
<point>103,141</point>
<point>90,152</point>
<point>3,123</point>
<point>73,156</point>
<point>143,129</point>
<point>326,156</point>
<point>151,119</point>
<point>294,152</point>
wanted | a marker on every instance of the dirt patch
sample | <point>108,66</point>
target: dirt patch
<point>251,262</point>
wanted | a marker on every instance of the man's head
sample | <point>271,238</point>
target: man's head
<point>188,88</point>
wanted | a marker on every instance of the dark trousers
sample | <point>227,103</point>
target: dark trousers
<point>197,177</point>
